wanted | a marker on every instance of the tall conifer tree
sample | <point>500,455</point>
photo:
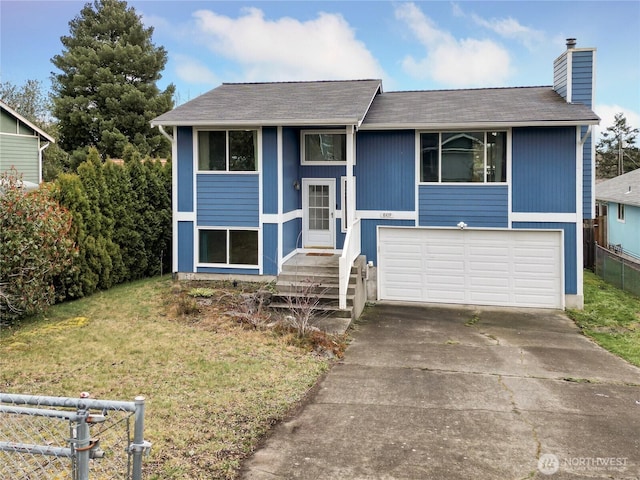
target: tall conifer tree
<point>105,94</point>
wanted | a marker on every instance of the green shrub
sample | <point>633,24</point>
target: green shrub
<point>36,248</point>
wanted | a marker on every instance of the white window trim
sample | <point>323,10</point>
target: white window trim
<point>227,265</point>
<point>440,132</point>
<point>620,208</point>
<point>316,132</point>
<point>196,151</point>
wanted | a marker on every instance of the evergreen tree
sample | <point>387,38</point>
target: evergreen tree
<point>100,222</point>
<point>138,180</point>
<point>70,194</point>
<point>125,233</point>
<point>106,93</point>
<point>616,152</point>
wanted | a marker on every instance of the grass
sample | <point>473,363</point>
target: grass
<point>213,386</point>
<point>611,317</point>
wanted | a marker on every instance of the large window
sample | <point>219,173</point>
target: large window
<point>228,247</point>
<point>227,150</point>
<point>324,147</point>
<point>470,157</point>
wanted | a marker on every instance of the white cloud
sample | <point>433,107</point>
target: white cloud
<point>287,49</point>
<point>512,29</point>
<point>193,71</point>
<point>608,112</point>
<point>454,62</point>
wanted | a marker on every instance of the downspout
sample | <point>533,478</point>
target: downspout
<point>169,137</point>
<point>174,196</point>
<point>586,135</point>
<point>40,150</point>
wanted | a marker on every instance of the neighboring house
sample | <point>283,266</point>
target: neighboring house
<point>457,196</point>
<point>619,197</point>
<point>21,145</point>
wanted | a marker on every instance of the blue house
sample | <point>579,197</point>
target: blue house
<point>456,196</point>
<point>621,197</point>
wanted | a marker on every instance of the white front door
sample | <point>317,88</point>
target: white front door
<point>318,207</point>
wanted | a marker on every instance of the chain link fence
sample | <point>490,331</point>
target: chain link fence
<point>60,438</point>
<point>618,268</point>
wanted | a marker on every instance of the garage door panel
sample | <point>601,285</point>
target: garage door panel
<point>485,283</point>
<point>490,267</point>
<point>487,266</point>
<point>443,282</point>
<point>444,265</point>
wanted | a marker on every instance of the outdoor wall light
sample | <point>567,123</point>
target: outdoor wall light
<point>296,184</point>
<point>462,225</point>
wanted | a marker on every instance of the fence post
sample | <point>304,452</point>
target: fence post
<point>82,446</point>
<point>139,444</point>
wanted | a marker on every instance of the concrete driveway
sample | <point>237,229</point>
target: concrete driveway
<point>463,393</point>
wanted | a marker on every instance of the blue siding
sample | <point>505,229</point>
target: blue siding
<point>385,170</point>
<point>185,247</point>
<point>544,170</point>
<point>235,271</point>
<point>626,234</point>
<point>228,200</point>
<point>369,241</point>
<point>560,75</point>
<point>270,249</point>
<point>320,171</point>
<point>270,170</point>
<point>475,205</point>
<point>292,236</point>
<point>582,77</point>
<point>292,199</point>
<point>570,252</point>
<point>185,169</point>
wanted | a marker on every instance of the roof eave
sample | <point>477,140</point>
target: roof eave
<point>253,123</point>
<point>631,203</point>
<point>488,124</point>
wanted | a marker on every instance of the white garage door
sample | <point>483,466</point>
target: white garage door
<point>476,267</point>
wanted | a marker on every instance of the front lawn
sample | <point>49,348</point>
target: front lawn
<point>611,317</point>
<point>213,386</point>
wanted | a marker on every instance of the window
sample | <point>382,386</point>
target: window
<point>228,247</point>
<point>227,150</point>
<point>621,212</point>
<point>470,157</point>
<point>324,147</point>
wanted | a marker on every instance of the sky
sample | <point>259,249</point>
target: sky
<point>409,45</point>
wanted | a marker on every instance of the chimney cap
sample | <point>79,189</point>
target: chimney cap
<point>571,43</point>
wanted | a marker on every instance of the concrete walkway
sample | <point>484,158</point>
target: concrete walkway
<point>463,393</point>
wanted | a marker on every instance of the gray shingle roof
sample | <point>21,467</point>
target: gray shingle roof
<point>509,106</point>
<point>621,189</point>
<point>287,103</point>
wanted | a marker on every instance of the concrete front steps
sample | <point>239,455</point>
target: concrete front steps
<point>306,277</point>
